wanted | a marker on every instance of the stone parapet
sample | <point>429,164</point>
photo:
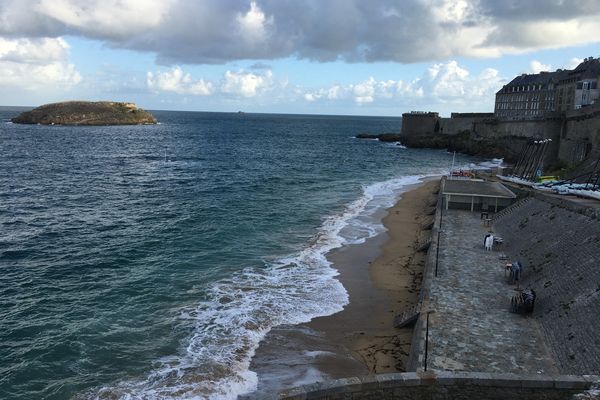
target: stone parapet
<point>417,357</point>
<point>446,385</point>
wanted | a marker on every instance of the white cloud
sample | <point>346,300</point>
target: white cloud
<point>234,83</point>
<point>310,97</point>
<point>573,63</point>
<point>519,37</point>
<point>33,51</point>
<point>115,19</point>
<point>447,80</point>
<point>175,80</point>
<point>33,64</point>
<point>253,23</point>
<point>444,83</point>
<point>535,67</point>
<point>445,87</point>
<point>246,84</point>
<point>364,92</point>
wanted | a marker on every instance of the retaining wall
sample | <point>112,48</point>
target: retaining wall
<point>417,358</point>
<point>446,385</point>
<point>558,243</point>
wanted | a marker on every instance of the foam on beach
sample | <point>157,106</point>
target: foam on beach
<point>238,312</point>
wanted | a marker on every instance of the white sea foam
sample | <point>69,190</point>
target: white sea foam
<point>493,163</point>
<point>395,145</point>
<point>240,310</point>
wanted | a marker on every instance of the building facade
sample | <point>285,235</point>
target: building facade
<point>541,95</point>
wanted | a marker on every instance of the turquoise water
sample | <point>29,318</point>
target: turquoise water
<point>148,261</point>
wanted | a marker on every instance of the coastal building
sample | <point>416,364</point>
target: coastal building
<point>586,86</point>
<point>475,195</point>
<point>528,95</point>
<point>561,107</point>
<point>531,96</point>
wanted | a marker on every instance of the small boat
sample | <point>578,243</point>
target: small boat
<point>465,174</point>
<point>548,178</point>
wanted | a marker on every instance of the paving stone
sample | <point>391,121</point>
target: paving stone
<point>559,246</point>
<point>473,328</point>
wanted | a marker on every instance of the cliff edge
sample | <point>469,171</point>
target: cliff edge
<point>86,113</point>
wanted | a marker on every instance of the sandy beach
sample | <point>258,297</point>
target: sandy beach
<point>394,277</point>
<point>382,277</point>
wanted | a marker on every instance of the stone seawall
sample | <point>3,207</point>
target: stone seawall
<point>417,360</point>
<point>581,135</point>
<point>446,385</point>
<point>558,243</point>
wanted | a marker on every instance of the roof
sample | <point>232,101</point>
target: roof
<point>477,188</point>
<point>590,68</point>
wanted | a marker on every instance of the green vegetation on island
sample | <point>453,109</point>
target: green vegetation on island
<point>86,113</point>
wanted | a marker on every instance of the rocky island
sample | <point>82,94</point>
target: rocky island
<point>86,113</point>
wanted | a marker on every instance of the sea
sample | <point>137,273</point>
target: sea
<point>148,262</point>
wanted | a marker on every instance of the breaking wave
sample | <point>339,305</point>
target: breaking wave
<point>241,310</point>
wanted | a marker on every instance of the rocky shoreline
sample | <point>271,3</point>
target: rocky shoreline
<point>462,142</point>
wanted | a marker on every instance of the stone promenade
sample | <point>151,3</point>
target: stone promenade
<point>471,327</point>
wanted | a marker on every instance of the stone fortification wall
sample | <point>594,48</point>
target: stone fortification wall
<point>453,126</point>
<point>481,125</point>
<point>471,115</point>
<point>414,124</point>
<point>574,136</point>
<point>420,123</point>
<point>581,135</point>
<point>534,129</point>
<point>558,243</point>
<point>445,385</point>
<point>463,122</point>
<point>512,135</point>
<point>479,134</point>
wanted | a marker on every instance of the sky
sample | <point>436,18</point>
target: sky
<point>346,57</point>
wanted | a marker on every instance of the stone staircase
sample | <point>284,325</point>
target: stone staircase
<point>408,317</point>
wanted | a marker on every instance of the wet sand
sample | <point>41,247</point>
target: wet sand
<point>382,277</point>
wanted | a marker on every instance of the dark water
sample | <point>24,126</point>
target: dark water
<point>148,261</point>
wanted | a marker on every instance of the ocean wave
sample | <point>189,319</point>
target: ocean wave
<point>239,311</point>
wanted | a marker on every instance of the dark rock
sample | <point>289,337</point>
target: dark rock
<point>428,227</point>
<point>423,248</point>
<point>367,136</point>
<point>389,137</point>
<point>384,137</point>
<point>463,142</point>
<point>86,113</point>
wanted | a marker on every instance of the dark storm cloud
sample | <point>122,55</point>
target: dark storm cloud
<point>260,66</point>
<point>218,31</point>
<point>532,10</point>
